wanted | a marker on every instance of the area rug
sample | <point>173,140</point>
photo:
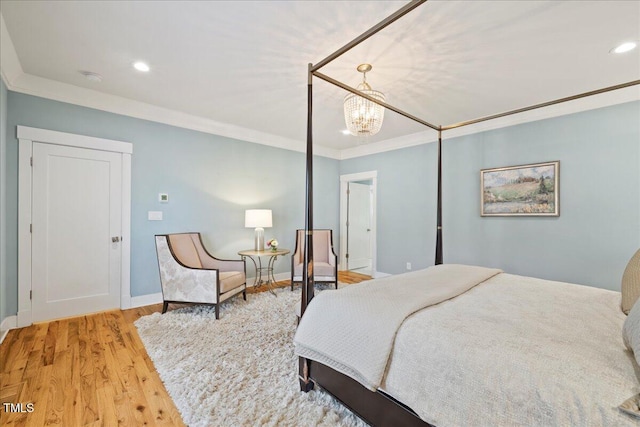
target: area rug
<point>239,370</point>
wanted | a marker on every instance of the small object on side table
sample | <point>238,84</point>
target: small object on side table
<point>273,245</point>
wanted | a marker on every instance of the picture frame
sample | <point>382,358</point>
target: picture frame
<point>523,190</point>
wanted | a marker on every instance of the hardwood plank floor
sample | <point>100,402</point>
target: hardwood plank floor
<point>88,371</point>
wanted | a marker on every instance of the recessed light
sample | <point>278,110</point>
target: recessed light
<point>141,66</point>
<point>624,47</point>
<point>345,132</point>
<point>91,76</point>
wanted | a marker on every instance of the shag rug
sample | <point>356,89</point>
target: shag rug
<point>239,370</point>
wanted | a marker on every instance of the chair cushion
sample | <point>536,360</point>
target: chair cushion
<point>319,269</point>
<point>322,249</point>
<point>184,250</point>
<point>321,246</point>
<point>230,280</point>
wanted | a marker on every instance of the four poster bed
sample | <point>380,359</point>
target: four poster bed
<point>464,345</point>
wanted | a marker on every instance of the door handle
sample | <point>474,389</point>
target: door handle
<point>115,239</point>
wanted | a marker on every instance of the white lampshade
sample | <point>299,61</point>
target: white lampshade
<point>255,218</point>
<point>258,219</point>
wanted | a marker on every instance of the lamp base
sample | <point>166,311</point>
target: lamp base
<point>259,239</point>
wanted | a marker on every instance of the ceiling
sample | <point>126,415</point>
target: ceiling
<point>244,64</point>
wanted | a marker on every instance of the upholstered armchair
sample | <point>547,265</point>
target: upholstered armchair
<point>189,274</point>
<point>325,260</point>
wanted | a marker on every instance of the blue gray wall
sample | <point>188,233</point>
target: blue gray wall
<point>210,180</point>
<point>5,306</point>
<point>590,243</point>
<point>406,205</point>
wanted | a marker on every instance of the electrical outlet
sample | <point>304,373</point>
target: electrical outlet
<point>408,266</point>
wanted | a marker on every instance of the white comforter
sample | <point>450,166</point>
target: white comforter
<point>359,323</point>
<point>514,351</point>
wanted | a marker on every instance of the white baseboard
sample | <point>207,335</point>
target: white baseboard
<point>379,274</point>
<point>149,299</point>
<point>9,322</point>
<point>282,276</point>
<point>24,317</point>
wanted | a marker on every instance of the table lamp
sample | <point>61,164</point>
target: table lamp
<point>258,218</point>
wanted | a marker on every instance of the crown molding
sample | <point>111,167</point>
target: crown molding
<point>50,89</point>
<point>606,99</point>
<point>405,141</point>
<point>620,96</point>
<point>58,91</point>
<point>16,80</point>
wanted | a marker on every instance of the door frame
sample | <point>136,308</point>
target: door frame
<point>26,137</point>
<point>344,181</point>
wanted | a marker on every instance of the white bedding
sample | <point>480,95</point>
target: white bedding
<point>515,351</point>
<point>359,323</point>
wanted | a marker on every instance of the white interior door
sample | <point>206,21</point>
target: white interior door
<point>359,226</point>
<point>76,215</point>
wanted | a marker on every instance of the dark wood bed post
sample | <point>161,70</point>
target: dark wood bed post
<point>439,208</point>
<point>307,267</point>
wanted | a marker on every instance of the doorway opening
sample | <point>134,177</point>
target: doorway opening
<point>358,223</point>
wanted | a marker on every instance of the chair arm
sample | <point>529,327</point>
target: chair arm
<point>223,264</point>
<point>181,283</point>
<point>298,256</point>
<point>333,258</point>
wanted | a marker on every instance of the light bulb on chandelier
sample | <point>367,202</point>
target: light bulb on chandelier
<point>362,116</point>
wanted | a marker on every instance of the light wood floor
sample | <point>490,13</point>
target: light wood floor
<point>88,371</point>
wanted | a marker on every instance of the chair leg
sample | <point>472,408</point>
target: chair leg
<point>292,284</point>
<point>244,294</point>
<point>336,284</point>
<point>164,307</point>
<point>217,311</point>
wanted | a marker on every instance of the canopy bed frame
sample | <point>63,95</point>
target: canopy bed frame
<point>377,408</point>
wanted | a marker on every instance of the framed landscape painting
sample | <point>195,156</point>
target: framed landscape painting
<point>525,190</point>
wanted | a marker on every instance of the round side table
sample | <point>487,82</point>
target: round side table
<point>262,272</point>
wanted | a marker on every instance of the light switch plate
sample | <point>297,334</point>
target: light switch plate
<point>155,216</point>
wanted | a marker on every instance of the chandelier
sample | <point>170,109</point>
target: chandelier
<point>363,117</point>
